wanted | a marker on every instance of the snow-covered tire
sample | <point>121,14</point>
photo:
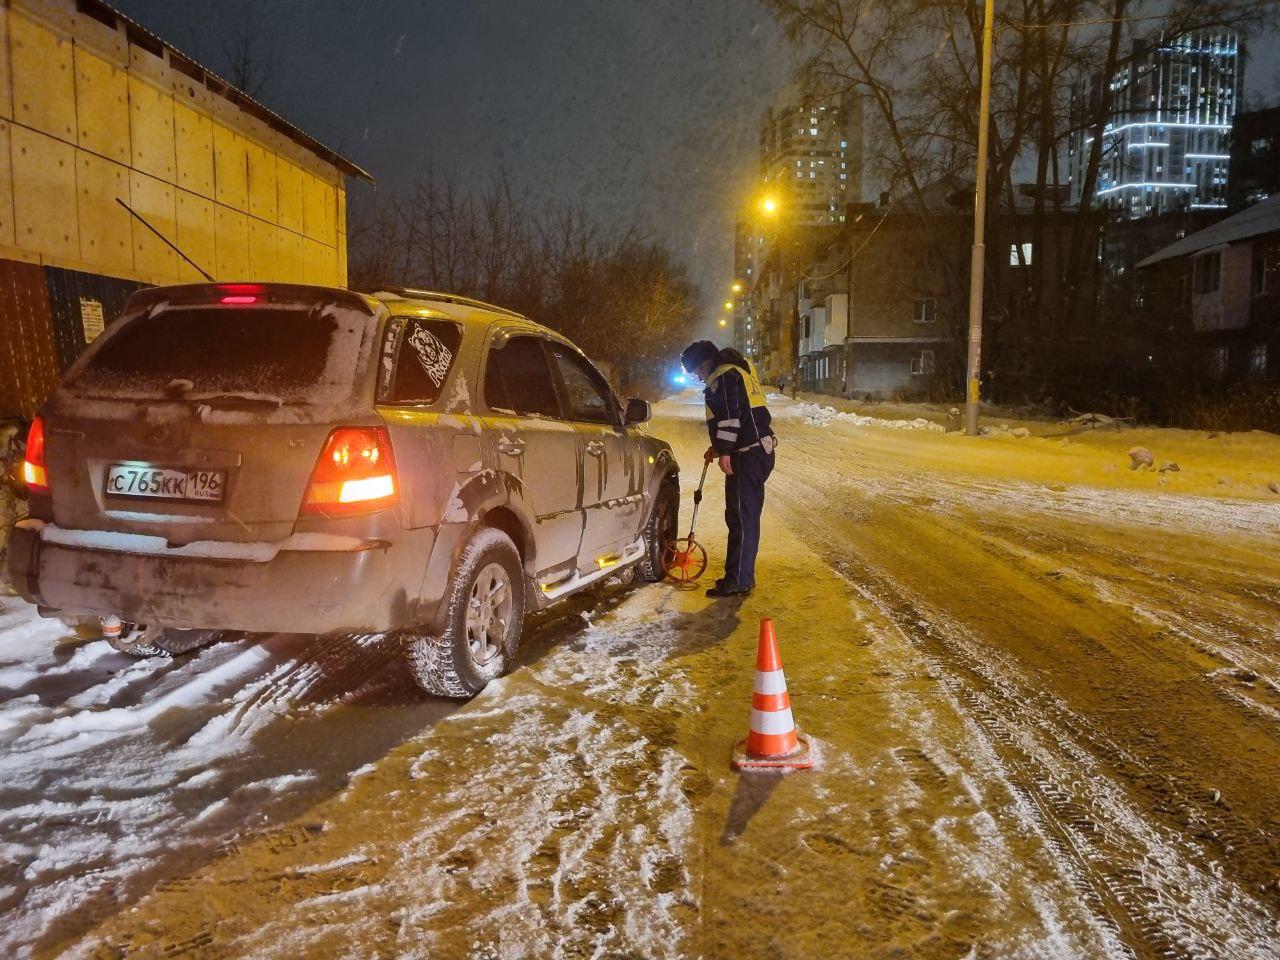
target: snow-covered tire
<point>659,531</point>
<point>164,642</point>
<point>461,661</point>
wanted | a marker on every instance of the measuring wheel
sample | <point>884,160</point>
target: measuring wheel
<point>685,560</point>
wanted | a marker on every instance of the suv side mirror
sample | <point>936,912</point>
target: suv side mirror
<point>638,411</point>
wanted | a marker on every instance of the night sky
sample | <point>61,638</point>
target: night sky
<point>643,111</point>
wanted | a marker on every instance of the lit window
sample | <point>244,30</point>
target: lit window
<point>1020,259</point>
<point>1219,360</point>
<point>1258,361</point>
<point>1208,273</point>
<point>926,310</point>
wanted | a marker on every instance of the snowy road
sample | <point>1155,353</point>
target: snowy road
<point>1048,717</point>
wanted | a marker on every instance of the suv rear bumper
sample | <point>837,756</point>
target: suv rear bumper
<point>370,590</point>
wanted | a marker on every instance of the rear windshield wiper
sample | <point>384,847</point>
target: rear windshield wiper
<point>237,399</point>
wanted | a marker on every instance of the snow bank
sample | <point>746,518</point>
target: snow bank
<point>816,415</point>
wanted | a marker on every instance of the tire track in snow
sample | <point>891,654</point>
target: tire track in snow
<point>548,817</point>
<point>1206,616</point>
<point>1135,873</point>
<point>115,772</point>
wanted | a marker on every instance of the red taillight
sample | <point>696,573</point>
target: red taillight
<point>34,471</point>
<point>240,294</point>
<point>355,473</point>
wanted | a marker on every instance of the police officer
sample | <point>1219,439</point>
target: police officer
<point>743,442</point>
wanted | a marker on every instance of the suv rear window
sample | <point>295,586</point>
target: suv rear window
<point>286,354</point>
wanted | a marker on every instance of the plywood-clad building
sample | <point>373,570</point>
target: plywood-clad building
<point>98,118</point>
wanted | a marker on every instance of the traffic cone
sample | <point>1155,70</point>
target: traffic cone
<point>773,742</point>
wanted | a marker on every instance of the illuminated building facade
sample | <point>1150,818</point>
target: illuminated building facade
<point>811,155</point>
<point>748,256</point>
<point>1167,144</point>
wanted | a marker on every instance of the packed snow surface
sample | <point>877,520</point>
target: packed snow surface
<point>1045,690</point>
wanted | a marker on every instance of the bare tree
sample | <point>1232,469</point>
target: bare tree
<point>245,45</point>
<point>619,296</point>
<point>916,62</point>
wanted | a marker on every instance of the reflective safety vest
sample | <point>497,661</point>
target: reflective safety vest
<point>755,393</point>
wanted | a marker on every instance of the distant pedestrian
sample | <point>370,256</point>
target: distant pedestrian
<point>743,443</point>
<point>782,386</point>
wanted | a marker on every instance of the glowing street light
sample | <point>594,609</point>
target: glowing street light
<point>769,205</point>
<point>728,304</point>
<point>737,288</point>
<point>724,322</point>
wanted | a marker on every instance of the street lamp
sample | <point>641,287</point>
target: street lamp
<point>737,288</point>
<point>728,304</point>
<point>768,206</point>
<point>724,322</point>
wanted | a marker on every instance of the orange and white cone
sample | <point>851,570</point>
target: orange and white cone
<point>773,742</point>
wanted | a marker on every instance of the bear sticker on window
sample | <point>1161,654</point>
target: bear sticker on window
<point>427,351</point>
<point>434,356</point>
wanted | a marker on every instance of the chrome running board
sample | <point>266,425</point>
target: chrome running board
<point>576,581</point>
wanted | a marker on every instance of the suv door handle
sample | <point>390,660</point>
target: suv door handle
<point>595,448</point>
<point>512,448</point>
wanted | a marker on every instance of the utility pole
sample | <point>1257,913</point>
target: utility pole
<point>978,265</point>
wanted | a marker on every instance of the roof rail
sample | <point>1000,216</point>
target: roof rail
<point>412,293</point>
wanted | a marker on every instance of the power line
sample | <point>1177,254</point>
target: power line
<point>1087,23</point>
<point>853,256</point>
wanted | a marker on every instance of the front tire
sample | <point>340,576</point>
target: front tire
<point>660,531</point>
<point>484,617</point>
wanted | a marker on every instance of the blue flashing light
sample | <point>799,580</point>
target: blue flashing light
<point>680,379</point>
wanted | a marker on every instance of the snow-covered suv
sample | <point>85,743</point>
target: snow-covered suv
<point>280,458</point>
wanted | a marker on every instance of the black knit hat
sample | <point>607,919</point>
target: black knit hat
<point>697,353</point>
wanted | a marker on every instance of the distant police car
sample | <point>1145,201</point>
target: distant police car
<point>278,458</point>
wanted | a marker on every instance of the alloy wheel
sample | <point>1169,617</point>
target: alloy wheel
<point>488,614</point>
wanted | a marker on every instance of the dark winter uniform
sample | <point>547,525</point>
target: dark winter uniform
<point>739,424</point>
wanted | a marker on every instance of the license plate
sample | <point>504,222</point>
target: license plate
<point>161,483</point>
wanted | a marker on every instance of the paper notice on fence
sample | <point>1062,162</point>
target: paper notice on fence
<point>91,318</point>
